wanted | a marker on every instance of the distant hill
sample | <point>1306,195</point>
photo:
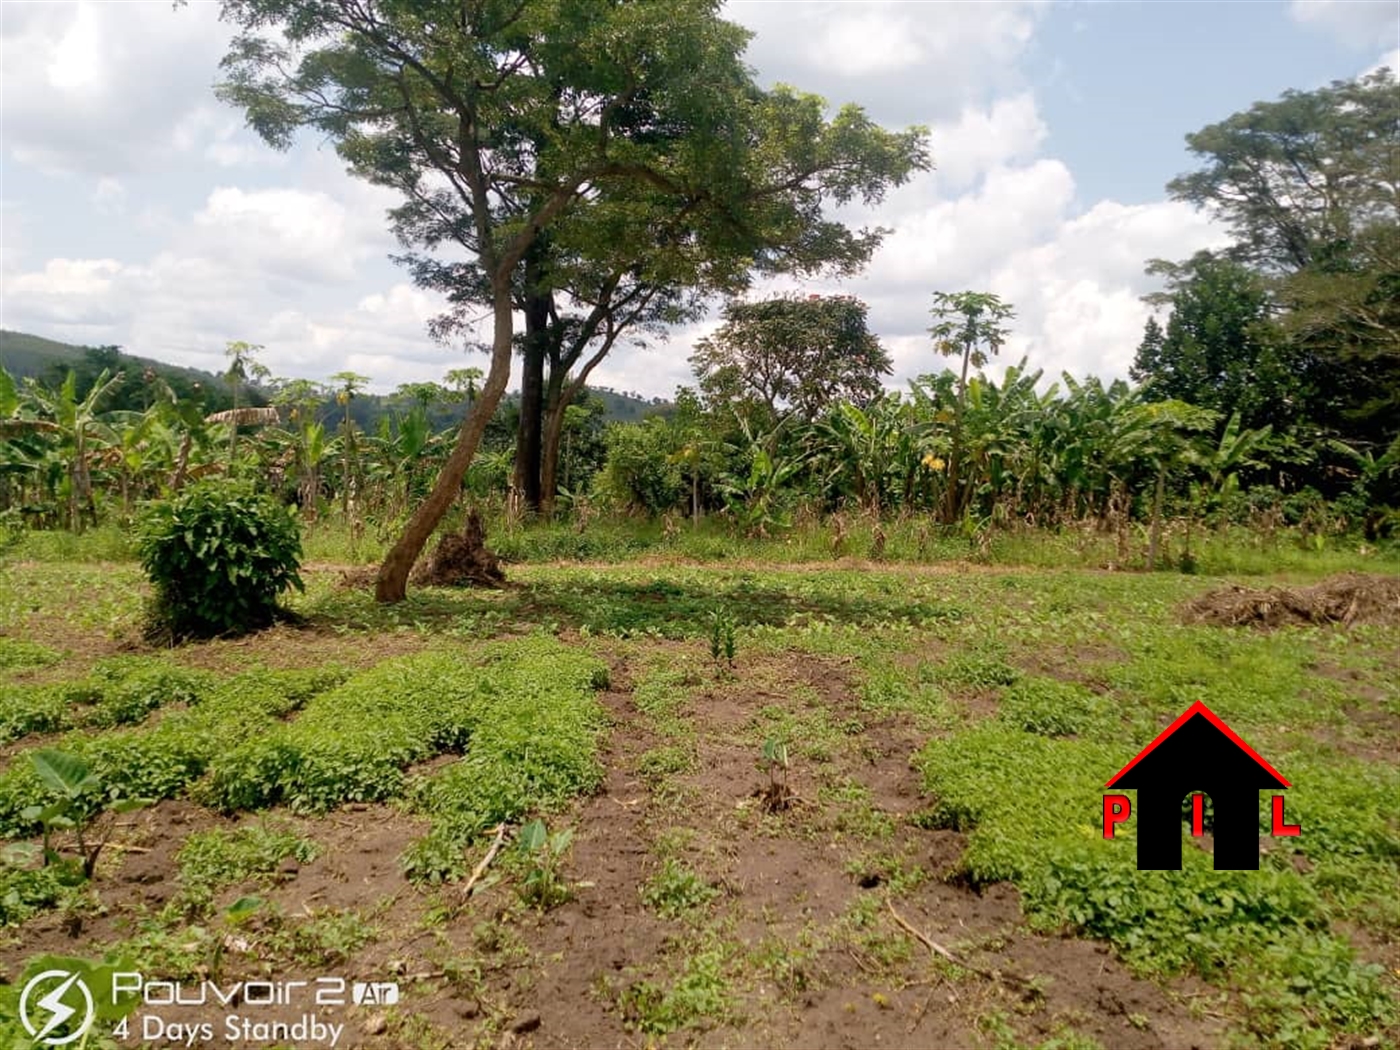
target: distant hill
<point>48,360</point>
<point>32,355</point>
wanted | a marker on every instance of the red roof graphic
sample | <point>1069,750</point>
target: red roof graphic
<point>1198,708</point>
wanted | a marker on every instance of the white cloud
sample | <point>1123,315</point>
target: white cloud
<point>1011,129</point>
<point>905,62</point>
<point>97,88</point>
<point>1358,23</point>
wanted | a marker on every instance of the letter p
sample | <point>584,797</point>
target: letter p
<point>1116,809</point>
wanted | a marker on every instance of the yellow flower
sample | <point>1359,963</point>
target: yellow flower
<point>933,462</point>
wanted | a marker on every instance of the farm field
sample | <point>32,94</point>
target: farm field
<point>757,849</point>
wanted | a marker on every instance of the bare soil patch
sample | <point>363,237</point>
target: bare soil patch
<point>1346,599</point>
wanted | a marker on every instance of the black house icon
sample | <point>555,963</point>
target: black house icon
<point>1198,752</point>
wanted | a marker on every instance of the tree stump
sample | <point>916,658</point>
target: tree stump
<point>461,560</point>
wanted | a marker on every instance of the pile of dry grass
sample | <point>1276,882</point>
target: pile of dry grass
<point>1346,599</point>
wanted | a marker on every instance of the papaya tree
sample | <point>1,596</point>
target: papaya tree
<point>970,325</point>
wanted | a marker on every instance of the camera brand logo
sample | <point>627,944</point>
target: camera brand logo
<point>1196,753</point>
<point>374,993</point>
<point>55,1007</point>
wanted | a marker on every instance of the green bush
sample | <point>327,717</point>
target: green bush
<point>218,556</point>
<point>641,470</point>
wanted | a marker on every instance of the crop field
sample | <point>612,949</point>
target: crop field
<point>661,803</point>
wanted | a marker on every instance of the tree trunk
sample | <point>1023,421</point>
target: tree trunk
<point>391,585</point>
<point>549,461</point>
<point>952,498</point>
<point>528,466</point>
<point>1155,534</point>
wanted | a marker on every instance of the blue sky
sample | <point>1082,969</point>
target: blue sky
<point>134,209</point>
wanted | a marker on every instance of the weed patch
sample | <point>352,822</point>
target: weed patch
<point>212,860</point>
<point>533,730</point>
<point>1029,801</point>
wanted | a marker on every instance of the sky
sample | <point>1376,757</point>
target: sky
<point>136,210</point>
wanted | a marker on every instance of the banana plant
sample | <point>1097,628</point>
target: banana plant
<point>753,499</point>
<point>76,427</point>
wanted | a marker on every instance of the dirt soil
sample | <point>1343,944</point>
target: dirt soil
<point>802,927</point>
<point>1346,599</point>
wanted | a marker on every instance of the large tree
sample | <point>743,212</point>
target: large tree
<point>1309,185</point>
<point>792,355</point>
<point>499,120</point>
<point>1304,181</point>
<point>1219,349</point>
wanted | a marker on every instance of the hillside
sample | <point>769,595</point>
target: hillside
<point>22,354</point>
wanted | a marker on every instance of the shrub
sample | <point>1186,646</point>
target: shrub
<point>640,471</point>
<point>218,556</point>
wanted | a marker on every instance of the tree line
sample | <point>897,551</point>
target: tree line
<point>606,170</point>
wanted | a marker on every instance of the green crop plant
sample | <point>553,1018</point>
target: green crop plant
<point>74,787</point>
<point>542,884</point>
<point>163,760</point>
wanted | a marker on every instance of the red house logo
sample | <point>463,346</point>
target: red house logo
<point>1196,753</point>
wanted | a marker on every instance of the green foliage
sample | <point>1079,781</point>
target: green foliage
<point>790,352</point>
<point>676,890</point>
<point>77,791</point>
<point>1031,805</point>
<point>125,689</point>
<point>218,556</point>
<point>25,710</point>
<point>542,885</point>
<point>120,690</point>
<point>16,652</point>
<point>533,746</point>
<point>211,860</point>
<point>641,470</point>
<point>722,646</point>
<point>699,992</point>
<point>656,765</point>
<point>26,891</point>
<point>1050,707</point>
<point>975,670</point>
<point>162,760</point>
<point>352,744</point>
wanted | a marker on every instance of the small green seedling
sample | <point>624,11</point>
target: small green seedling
<point>235,916</point>
<point>74,782</point>
<point>777,796</point>
<point>722,644</point>
<point>543,887</point>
